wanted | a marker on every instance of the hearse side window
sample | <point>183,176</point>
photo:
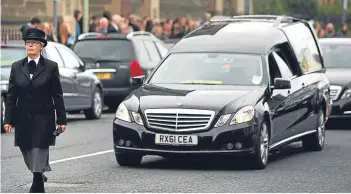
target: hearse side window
<point>286,53</point>
<point>274,70</point>
<point>284,68</point>
<point>151,47</point>
<point>305,47</point>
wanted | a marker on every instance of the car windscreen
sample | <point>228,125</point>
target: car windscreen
<point>210,69</point>
<point>336,56</point>
<point>9,55</point>
<point>112,50</point>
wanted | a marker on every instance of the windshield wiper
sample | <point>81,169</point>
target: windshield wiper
<point>196,83</point>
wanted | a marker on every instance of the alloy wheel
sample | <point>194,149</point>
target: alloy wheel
<point>321,129</point>
<point>97,103</point>
<point>264,144</point>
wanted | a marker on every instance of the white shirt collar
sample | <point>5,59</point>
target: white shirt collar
<point>36,60</point>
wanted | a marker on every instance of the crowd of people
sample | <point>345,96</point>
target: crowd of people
<point>329,31</point>
<point>163,29</point>
<point>108,23</point>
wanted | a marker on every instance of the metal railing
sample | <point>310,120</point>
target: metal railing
<point>11,33</point>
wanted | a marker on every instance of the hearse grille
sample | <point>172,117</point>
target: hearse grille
<point>335,92</point>
<point>179,119</point>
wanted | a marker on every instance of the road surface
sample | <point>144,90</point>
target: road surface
<point>83,161</point>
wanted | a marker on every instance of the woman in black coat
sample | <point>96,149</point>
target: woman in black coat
<point>34,94</point>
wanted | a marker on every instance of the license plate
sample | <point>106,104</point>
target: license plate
<point>104,75</point>
<point>176,139</point>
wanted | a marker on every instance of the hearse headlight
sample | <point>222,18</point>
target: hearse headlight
<point>245,114</point>
<point>137,118</point>
<point>222,120</point>
<point>346,94</point>
<point>122,113</point>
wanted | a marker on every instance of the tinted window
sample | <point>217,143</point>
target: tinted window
<point>116,50</point>
<point>337,56</point>
<point>70,60</point>
<point>151,47</point>
<point>11,55</point>
<point>284,69</point>
<point>54,55</point>
<point>304,47</point>
<point>205,68</point>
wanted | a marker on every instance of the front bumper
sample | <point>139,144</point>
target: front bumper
<point>341,109</point>
<point>212,141</point>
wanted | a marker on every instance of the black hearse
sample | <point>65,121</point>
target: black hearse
<point>247,85</point>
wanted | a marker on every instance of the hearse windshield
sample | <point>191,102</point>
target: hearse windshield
<point>210,69</point>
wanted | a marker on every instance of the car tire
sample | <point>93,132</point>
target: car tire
<point>95,111</point>
<point>2,114</point>
<point>261,149</point>
<point>315,141</point>
<point>128,159</point>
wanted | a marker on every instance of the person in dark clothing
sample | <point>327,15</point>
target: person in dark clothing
<point>34,23</point>
<point>34,95</point>
<point>94,24</point>
<point>344,31</point>
<point>149,26</point>
<point>330,31</point>
<point>79,22</point>
<point>107,15</point>
<point>133,23</point>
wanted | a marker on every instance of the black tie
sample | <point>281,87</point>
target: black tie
<point>31,66</point>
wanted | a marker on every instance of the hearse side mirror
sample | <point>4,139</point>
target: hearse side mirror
<point>138,81</point>
<point>280,83</point>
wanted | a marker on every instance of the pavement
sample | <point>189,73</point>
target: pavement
<point>83,161</point>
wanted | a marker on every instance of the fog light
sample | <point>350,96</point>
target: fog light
<point>230,146</point>
<point>238,145</point>
<point>120,142</point>
<point>128,143</point>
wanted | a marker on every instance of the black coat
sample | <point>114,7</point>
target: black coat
<point>31,103</point>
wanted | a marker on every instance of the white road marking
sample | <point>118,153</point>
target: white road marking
<point>82,156</point>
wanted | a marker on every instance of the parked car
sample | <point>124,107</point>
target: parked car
<point>241,85</point>
<point>337,56</point>
<point>119,57</point>
<point>82,90</point>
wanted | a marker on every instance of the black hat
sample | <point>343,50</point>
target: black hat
<point>35,34</point>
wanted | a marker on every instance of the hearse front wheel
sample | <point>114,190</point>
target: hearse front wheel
<point>260,157</point>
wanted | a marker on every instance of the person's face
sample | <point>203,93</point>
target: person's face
<point>33,47</point>
<point>80,15</point>
<point>330,28</point>
<point>321,34</point>
<point>344,27</point>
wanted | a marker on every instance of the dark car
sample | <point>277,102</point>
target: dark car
<point>82,90</point>
<point>119,57</point>
<point>233,86</point>
<point>337,56</point>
